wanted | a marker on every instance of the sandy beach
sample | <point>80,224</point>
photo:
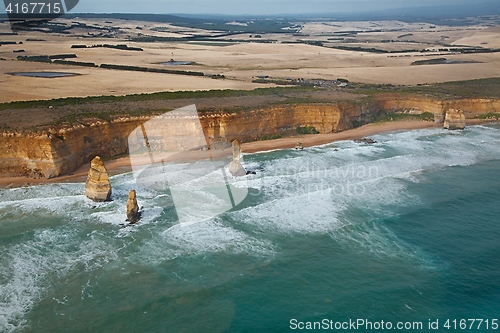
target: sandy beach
<point>122,164</point>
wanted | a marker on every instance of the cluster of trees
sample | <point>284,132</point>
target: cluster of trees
<point>436,61</point>
<point>277,81</point>
<point>151,70</point>
<point>307,42</point>
<point>307,130</point>
<point>370,49</point>
<point>110,46</point>
<point>465,50</point>
<point>60,59</point>
<point>62,56</point>
<point>383,116</point>
<point>46,58</point>
<point>216,76</point>
<point>271,137</point>
<point>75,63</point>
<point>41,58</point>
<point>478,50</point>
<point>152,39</point>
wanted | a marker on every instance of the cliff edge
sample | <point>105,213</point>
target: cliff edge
<point>55,151</point>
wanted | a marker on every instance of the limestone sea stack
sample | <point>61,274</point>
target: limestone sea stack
<point>235,167</point>
<point>98,187</point>
<point>133,214</point>
<point>454,119</point>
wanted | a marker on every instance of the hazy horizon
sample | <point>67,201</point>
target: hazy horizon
<point>255,7</point>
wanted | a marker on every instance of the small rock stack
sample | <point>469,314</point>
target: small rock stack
<point>235,168</point>
<point>133,214</point>
<point>365,140</point>
<point>454,119</point>
<point>98,187</point>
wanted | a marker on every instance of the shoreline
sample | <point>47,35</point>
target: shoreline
<point>122,164</point>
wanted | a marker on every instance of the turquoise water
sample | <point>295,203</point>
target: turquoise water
<point>406,230</point>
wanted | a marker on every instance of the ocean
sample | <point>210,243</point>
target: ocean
<point>401,235</point>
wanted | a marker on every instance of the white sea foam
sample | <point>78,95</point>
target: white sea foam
<point>27,268</point>
<point>297,194</point>
<point>210,236</point>
<point>213,236</point>
<point>313,207</point>
<point>292,215</point>
<point>53,205</point>
<point>302,192</point>
<point>380,242</point>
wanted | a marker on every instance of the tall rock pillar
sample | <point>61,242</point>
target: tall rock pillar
<point>98,187</point>
<point>133,214</point>
<point>235,168</point>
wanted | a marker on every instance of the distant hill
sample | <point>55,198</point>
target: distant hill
<point>209,23</point>
<point>438,14</point>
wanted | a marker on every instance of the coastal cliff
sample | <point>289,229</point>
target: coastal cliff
<point>253,125</point>
<point>471,107</point>
<point>55,151</point>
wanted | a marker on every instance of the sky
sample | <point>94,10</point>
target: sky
<point>251,7</point>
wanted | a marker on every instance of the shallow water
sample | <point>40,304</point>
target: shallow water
<point>44,74</point>
<point>403,230</point>
<point>177,63</point>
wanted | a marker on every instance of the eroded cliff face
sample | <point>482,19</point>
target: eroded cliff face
<point>416,105</point>
<point>253,125</point>
<point>57,151</point>
<point>54,152</point>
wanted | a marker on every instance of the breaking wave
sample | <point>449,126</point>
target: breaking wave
<point>342,190</point>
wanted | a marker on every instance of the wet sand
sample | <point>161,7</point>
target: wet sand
<point>122,164</point>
